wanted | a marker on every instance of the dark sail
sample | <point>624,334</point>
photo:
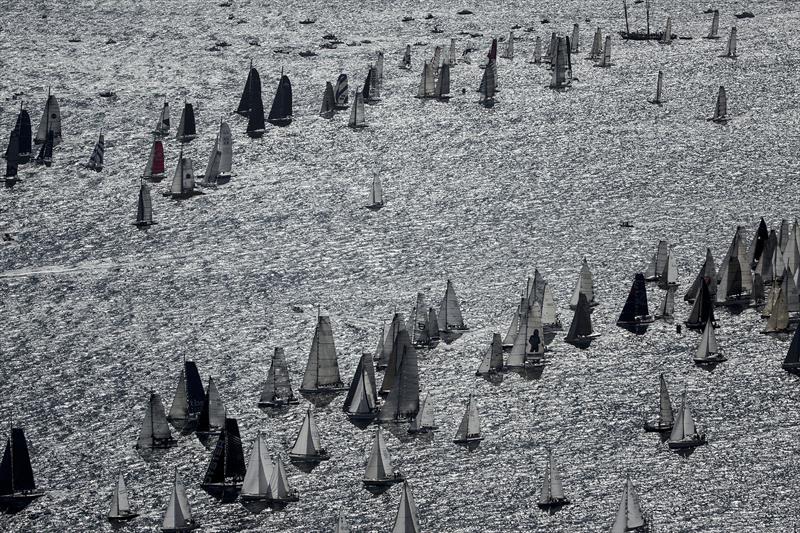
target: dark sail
<point>581,325</point>
<point>351,392</point>
<point>23,128</point>
<point>255,118</point>
<point>636,304</point>
<point>734,277</point>
<point>328,102</point>
<point>45,156</point>
<point>703,308</point>
<point>188,120</point>
<point>16,476</point>
<point>365,92</point>
<point>251,93</point>
<point>281,112</point>
<point>195,395</point>
<point>12,154</point>
<point>762,236</point>
<point>227,462</point>
<point>792,360</point>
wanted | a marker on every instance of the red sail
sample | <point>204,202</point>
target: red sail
<point>492,55</point>
<point>158,158</point>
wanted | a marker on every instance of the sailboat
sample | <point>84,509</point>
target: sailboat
<point>656,266</point>
<point>342,525</point>
<point>322,370</point>
<point>452,55</point>
<point>402,381</point>
<point>721,108</point>
<point>707,273</point>
<point>597,46</point>
<point>469,431</point>
<point>713,33</point>
<point>640,35</point>
<point>778,321</point>
<point>605,59</point>
<point>277,390</point>
<point>328,102</point>
<point>357,119</point>
<point>407,518</point>
<point>488,85</point>
<point>96,159</point>
<point>389,346</point>
<point>281,492</point>
<point>561,65</point>
<point>424,326</point>
<point>251,95</point>
<point>45,155</point>
<point>684,435</point>
<point>441,90</point>
<point>23,128</point>
<point>12,160</point>
<point>547,304</point>
<point>666,311</point>
<point>375,198</point>
<point>189,398</point>
<point>509,51</point>
<point>707,352</point>
<point>307,447</point>
<point>380,475</point>
<point>735,281</point>
<point>658,100</point>
<point>144,208</point>
<point>575,40</point>
<point>634,316</point>
<point>154,170</point>
<point>212,168</point>
<point>528,348</point>
<point>629,517</point>
<point>256,482</point>
<point>255,120</point>
<point>183,185</point>
<point>492,361</point>
<point>669,275</point>
<point>580,332</point>
<point>423,422</point>
<point>426,83</point>
<point>162,124</point>
<point>178,517</point>
<point>585,286</point>
<point>17,486</point>
<point>342,92</point>
<point>50,123</point>
<point>155,430</point>
<point>186,132</point>
<point>281,112</point>
<point>791,362</point>
<point>405,63</point>
<point>225,473</point>
<point>451,323</point>
<point>730,49</point>
<point>372,86</point>
<point>212,416</point>
<point>361,403</point>
<point>666,37</point>
<point>665,417</point>
<point>551,497</point>
<point>120,508</point>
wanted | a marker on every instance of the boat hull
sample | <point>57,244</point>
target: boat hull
<point>687,444</point>
<point>792,368</point>
<point>14,503</point>
<point>374,207</point>
<point>122,518</point>
<point>191,526</point>
<point>379,486</point>
<point>186,139</point>
<point>255,134</point>
<point>223,492</point>
<point>638,326</point>
<point>362,420</point>
<point>422,430</point>
<point>711,361</point>
<point>280,122</point>
<point>183,195</point>
<point>657,428</point>
<point>141,225</point>
<point>553,505</point>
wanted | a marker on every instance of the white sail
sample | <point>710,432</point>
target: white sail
<point>424,418</point>
<point>708,343</point>
<point>426,83</point>
<point>322,369</point>
<point>584,285</point>
<point>180,404</point>
<point>552,488</point>
<point>154,426</point>
<point>513,329</point>
<point>667,308</point>
<point>548,307</point>
<point>119,501</point>
<point>789,291</point>
<point>162,126</point>
<point>575,40</point>
<point>597,45</point>
<point>308,440</point>
<point>216,409</point>
<point>436,61</point>
<point>606,60</point>
<point>179,514</point>
<point>730,50</point>
<point>50,121</point>
<point>379,466</point>
<point>629,514</point>
<point>509,53</point>
<point>279,483</point>
<point>342,525</point>
<point>357,119</point>
<point>779,318</point>
<point>375,192</point>
<point>407,518</point>
<point>259,471</point>
<point>684,424</point>
<point>470,426</point>
<point>379,68</point>
<point>666,38</point>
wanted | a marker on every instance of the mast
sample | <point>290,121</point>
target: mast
<point>625,7</point>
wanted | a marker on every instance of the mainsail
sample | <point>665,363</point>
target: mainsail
<point>277,389</point>
<point>629,514</point>
<point>379,466</point>
<point>212,414</point>
<point>96,159</point>
<point>162,124</point>
<point>713,33</point>
<point>362,396</point>
<point>424,419</point>
<point>730,49</point>
<point>657,264</point>
<point>666,37</point>
<point>16,473</point>
<point>721,106</point>
<point>328,102</point>
<point>552,489</point>
<point>281,112</point>
<point>251,95</point>
<point>120,507</point>
<point>635,307</point>
<point>178,516</point>
<point>255,485</point>
<point>585,286</point>
<point>407,518</point>
<point>375,197</point>
<point>470,427</point>
<point>493,357</point>
<point>683,427</point>
<point>155,430</point>
<point>403,399</point>
<point>342,92</point>
<point>23,128</point>
<point>155,162</point>
<point>357,119</point>
<point>186,127</point>
<point>426,84</point>
<point>308,442</point>
<point>50,122</point>
<point>450,310</point>
<point>226,467</point>
<point>322,370</point>
<point>189,396</point>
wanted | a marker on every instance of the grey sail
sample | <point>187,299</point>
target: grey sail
<point>407,518</point>
<point>322,370</point>
<point>713,32</point>
<point>178,516</point>
<point>50,122</point>
<point>155,430</point>
<point>629,513</point>
<point>120,507</point>
<point>403,400</point>
<point>277,390</point>
<point>730,49</point>
<point>470,427</point>
<point>585,286</point>
<point>450,310</point>
<point>492,360</point>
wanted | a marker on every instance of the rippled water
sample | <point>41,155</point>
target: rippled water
<point>98,313</point>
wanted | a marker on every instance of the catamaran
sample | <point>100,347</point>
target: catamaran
<point>665,417</point>
<point>574,46</point>
<point>280,114</point>
<point>277,390</point>
<point>580,332</point>
<point>380,475</point>
<point>405,63</point>
<point>597,46</point>
<point>635,316</point>
<point>427,81</point>
<point>189,398</point>
<point>666,37</point>
<point>155,430</point>
<point>375,197</point>
<point>361,403</point>
<point>226,469</point>
<point>561,65</point>
<point>469,431</point>
<point>17,486</point>
<point>178,517</point>
<point>96,159</point>
<point>492,361</point>
<point>537,51</point>
<point>508,53</point>
<point>640,35</point>
<point>488,85</point>
<point>605,59</point>
<point>684,435</point>
<point>707,352</point>
<point>307,449</point>
<point>713,33</point>
<point>659,99</point>
<point>629,517</point>
<point>186,132</point>
<point>441,89</point>
<point>551,497</point>
<point>328,102</point>
<point>120,508</point>
<point>322,370</point>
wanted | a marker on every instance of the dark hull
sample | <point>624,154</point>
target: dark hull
<point>688,444</point>
<point>657,428</point>
<point>581,342</point>
<point>185,139</point>
<point>144,224</point>
<point>255,134</point>
<point>159,444</point>
<point>191,526</point>
<point>184,195</point>
<point>10,182</point>
<point>362,420</point>
<point>792,368</point>
<point>223,492</point>
<point>382,485</point>
<point>276,404</point>
<point>374,207</point>
<point>643,36</point>
<point>698,325</point>
<point>155,178</point>
<point>422,431</point>
<point>308,459</point>
<point>637,327</point>
<point>710,361</point>
<point>451,335</point>
<point>553,505</point>
<point>122,518</point>
<point>280,122</point>
<point>14,503</point>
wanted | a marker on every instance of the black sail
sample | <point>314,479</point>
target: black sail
<point>255,116</point>
<point>251,93</point>
<point>281,111</point>
<point>365,92</point>
<point>581,325</point>
<point>23,128</point>
<point>12,154</point>
<point>762,236</point>
<point>636,304</point>
<point>188,120</point>
<point>227,461</point>
<point>793,355</point>
<point>16,475</point>
<point>195,395</point>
